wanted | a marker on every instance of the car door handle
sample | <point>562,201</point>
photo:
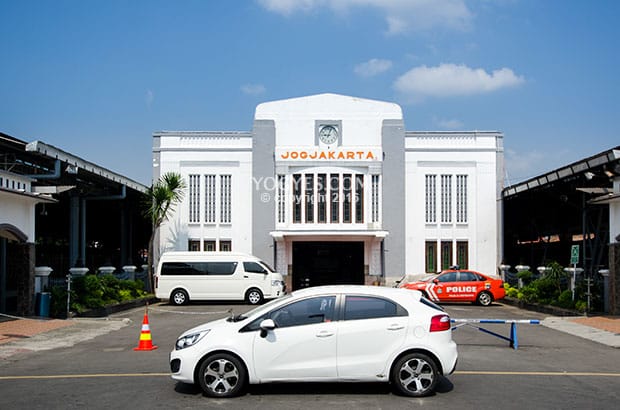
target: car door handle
<point>324,333</point>
<point>245,276</point>
<point>395,327</point>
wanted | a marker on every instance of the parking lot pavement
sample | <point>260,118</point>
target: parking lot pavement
<point>18,335</point>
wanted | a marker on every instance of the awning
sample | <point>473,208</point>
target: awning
<point>279,235</point>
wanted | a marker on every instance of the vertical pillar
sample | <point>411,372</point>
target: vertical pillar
<point>263,203</point>
<point>614,278</point>
<point>123,232</point>
<point>3,271</point>
<point>25,279</point>
<point>83,231</point>
<point>74,224</point>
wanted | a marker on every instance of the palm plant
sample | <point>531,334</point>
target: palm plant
<point>162,198</point>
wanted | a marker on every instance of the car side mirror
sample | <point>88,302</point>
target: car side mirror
<point>435,280</point>
<point>265,326</point>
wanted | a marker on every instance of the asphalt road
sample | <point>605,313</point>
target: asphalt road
<point>550,370</point>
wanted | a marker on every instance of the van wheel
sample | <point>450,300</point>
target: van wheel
<point>179,297</point>
<point>254,296</point>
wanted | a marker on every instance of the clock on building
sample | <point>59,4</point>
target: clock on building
<point>328,134</point>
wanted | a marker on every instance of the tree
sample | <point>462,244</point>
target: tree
<point>162,198</point>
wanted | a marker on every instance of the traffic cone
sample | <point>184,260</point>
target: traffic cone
<point>146,343</point>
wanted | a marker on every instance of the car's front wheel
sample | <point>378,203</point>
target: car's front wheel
<point>415,375</point>
<point>222,375</point>
<point>484,299</point>
<point>254,296</point>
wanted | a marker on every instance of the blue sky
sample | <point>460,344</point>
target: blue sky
<point>97,78</point>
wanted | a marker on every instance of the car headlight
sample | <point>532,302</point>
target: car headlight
<point>190,340</point>
<point>277,283</point>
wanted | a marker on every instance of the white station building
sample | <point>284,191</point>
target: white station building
<point>333,189</point>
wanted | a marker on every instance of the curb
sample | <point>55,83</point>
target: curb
<point>119,307</point>
<point>547,309</point>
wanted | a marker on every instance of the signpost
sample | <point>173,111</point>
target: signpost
<point>574,259</point>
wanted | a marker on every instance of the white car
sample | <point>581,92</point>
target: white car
<point>322,334</point>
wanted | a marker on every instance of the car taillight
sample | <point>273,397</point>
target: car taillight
<point>440,323</point>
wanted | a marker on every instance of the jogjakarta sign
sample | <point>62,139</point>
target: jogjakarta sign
<point>343,154</point>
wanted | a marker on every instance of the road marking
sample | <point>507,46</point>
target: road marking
<point>458,373</point>
<point>83,376</point>
<point>494,373</point>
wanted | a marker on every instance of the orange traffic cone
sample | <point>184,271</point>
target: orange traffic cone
<point>145,335</point>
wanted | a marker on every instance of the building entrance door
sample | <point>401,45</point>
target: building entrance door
<point>327,263</point>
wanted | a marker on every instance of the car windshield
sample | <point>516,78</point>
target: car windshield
<point>259,309</point>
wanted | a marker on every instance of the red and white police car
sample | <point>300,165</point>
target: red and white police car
<point>457,285</point>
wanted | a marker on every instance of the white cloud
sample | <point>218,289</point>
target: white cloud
<point>448,124</point>
<point>454,80</point>
<point>253,89</point>
<point>149,98</point>
<point>400,15</point>
<point>372,67</point>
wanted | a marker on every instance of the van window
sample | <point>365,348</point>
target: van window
<point>198,268</point>
<point>253,267</point>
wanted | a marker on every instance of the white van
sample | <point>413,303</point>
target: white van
<point>184,276</point>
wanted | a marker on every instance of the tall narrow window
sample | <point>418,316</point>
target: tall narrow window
<point>375,198</point>
<point>226,198</point>
<point>309,198</point>
<point>359,198</point>
<point>225,246</point>
<point>193,245</point>
<point>346,198</point>
<point>321,187</point>
<point>431,199</point>
<point>431,257</point>
<point>446,198</point>
<point>297,199</point>
<point>446,254</point>
<point>281,198</point>
<point>461,198</point>
<point>462,254</point>
<point>334,195</point>
<point>194,198</point>
<point>210,203</point>
<point>209,245</point>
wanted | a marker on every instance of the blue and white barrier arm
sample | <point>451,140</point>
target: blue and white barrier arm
<point>513,339</point>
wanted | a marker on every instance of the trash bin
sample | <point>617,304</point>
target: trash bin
<point>42,305</point>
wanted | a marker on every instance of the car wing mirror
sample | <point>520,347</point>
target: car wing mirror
<point>435,280</point>
<point>265,326</point>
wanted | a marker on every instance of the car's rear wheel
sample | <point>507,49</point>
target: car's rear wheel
<point>222,375</point>
<point>179,297</point>
<point>254,296</point>
<point>484,299</point>
<point>415,375</point>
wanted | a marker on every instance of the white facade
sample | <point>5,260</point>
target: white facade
<point>17,206</point>
<point>328,177</point>
<point>471,164</point>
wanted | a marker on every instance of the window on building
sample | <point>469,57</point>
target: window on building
<point>309,198</point>
<point>446,254</point>
<point>461,198</point>
<point>281,198</point>
<point>347,197</point>
<point>446,198</point>
<point>193,245</point>
<point>359,198</point>
<point>225,246</point>
<point>210,203</point>
<point>194,198</point>
<point>321,186</point>
<point>209,246</point>
<point>225,199</point>
<point>431,198</point>
<point>375,198</point>
<point>297,198</point>
<point>334,194</point>
<point>462,254</point>
<point>431,257</point>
